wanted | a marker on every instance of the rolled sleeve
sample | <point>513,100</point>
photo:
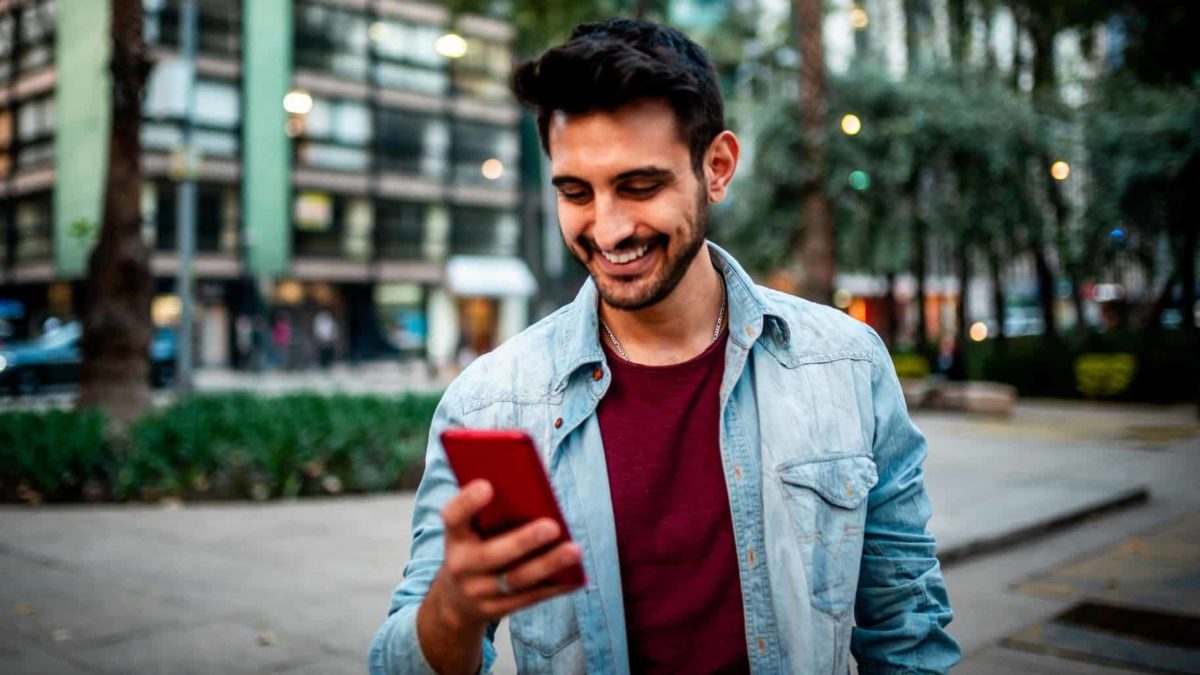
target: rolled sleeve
<point>396,649</point>
<point>902,608</point>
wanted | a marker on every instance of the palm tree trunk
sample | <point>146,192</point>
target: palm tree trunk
<point>818,247</point>
<point>115,372</point>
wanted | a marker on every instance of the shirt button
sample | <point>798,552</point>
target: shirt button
<point>558,423</point>
<point>749,331</point>
<point>762,646</point>
<point>597,374</point>
<point>750,556</point>
<point>737,471</point>
<point>849,490</point>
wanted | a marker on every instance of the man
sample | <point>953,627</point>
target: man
<point>736,466</point>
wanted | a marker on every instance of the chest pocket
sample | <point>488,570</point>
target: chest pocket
<point>827,503</point>
<point>546,637</point>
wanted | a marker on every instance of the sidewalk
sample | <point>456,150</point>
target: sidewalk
<point>301,587</point>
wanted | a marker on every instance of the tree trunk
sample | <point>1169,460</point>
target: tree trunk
<point>1045,281</point>
<point>920,270</point>
<point>818,247</point>
<point>115,373</point>
<point>994,267</point>
<point>891,327</point>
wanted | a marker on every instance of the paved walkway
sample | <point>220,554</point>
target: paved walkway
<point>301,587</point>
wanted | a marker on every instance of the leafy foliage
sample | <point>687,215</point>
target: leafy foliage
<point>221,446</point>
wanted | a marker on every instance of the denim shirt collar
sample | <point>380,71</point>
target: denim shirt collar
<point>750,316</point>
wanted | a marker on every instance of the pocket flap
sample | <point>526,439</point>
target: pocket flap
<point>844,482</point>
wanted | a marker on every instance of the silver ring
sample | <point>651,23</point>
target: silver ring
<point>502,582</point>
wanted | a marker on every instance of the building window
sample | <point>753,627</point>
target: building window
<point>35,133</point>
<point>478,148</point>
<point>402,230</point>
<point>37,35</point>
<point>483,71</point>
<point>411,143</point>
<point>332,226</point>
<point>406,59</point>
<point>335,136</point>
<point>480,231</point>
<point>7,38</point>
<point>34,226</point>
<point>330,40</point>
<point>216,119</point>
<point>218,26</point>
<point>6,143</point>
<point>217,217</point>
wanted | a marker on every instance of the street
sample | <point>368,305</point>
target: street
<point>300,587</point>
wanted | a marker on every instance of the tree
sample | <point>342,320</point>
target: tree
<point>818,248</point>
<point>115,373</point>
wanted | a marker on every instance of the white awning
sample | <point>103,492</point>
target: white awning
<point>489,277</point>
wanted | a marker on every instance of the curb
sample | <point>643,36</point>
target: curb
<point>991,544</point>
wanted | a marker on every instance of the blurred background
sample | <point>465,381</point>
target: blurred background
<point>244,244</point>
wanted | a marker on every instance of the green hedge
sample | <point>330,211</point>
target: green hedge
<point>1166,366</point>
<point>227,446</point>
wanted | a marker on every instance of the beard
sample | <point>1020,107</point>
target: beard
<point>663,280</point>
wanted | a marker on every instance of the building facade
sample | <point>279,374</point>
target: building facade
<point>358,159</point>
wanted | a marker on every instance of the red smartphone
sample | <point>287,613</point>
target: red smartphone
<point>521,489</point>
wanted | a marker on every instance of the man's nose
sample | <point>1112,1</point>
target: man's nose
<point>613,224</point>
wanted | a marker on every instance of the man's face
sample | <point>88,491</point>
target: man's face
<point>631,208</point>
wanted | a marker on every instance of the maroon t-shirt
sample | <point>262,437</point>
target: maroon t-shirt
<point>679,568</point>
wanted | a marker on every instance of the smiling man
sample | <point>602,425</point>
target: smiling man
<point>736,466</point>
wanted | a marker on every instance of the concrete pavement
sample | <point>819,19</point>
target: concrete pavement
<point>301,587</point>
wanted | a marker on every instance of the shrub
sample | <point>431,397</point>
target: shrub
<point>222,446</point>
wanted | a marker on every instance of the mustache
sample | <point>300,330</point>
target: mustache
<point>629,243</point>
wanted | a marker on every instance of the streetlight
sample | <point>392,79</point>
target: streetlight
<point>451,46</point>
<point>979,331</point>
<point>1060,170</point>
<point>851,125</point>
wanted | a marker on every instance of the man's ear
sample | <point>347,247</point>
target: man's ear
<point>720,163</point>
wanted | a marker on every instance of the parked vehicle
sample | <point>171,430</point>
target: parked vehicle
<point>54,358</point>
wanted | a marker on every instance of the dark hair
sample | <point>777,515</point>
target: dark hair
<point>607,64</point>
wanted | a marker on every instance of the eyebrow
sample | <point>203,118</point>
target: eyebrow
<point>640,172</point>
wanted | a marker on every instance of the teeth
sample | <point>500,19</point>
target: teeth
<point>629,256</point>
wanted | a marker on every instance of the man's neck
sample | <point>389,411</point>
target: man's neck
<point>679,327</point>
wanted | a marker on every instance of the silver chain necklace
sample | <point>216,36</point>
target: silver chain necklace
<point>716,331</point>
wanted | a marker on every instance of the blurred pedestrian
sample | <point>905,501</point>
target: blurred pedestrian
<point>737,465</point>
<point>281,341</point>
<point>243,337</point>
<point>325,331</point>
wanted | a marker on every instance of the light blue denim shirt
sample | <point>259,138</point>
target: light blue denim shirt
<point>823,470</point>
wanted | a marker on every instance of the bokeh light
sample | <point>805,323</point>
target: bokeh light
<point>979,331</point>
<point>1060,170</point>
<point>842,298</point>
<point>451,46</point>
<point>492,169</point>
<point>859,19</point>
<point>860,180</point>
<point>298,102</point>
<point>851,125</point>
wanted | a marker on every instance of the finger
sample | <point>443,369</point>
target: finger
<point>463,506</point>
<point>498,608</point>
<point>500,552</point>
<point>534,572</point>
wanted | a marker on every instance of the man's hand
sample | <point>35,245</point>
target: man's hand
<point>466,594</point>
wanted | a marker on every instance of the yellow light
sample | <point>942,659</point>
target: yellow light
<point>979,331</point>
<point>289,292</point>
<point>298,102</point>
<point>851,125</point>
<point>842,298</point>
<point>165,310</point>
<point>1060,170</point>
<point>451,46</point>
<point>858,18</point>
<point>492,169</point>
